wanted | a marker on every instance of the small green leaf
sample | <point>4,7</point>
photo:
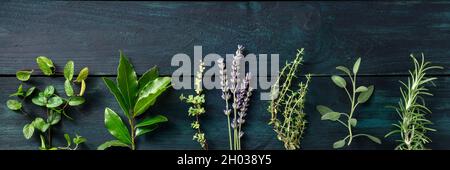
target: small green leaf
<point>339,144</point>
<point>83,88</point>
<point>28,131</point>
<point>67,137</point>
<point>54,102</point>
<point>356,66</point>
<point>339,81</point>
<point>82,75</point>
<point>79,140</point>
<point>333,116</point>
<point>14,104</point>
<point>54,117</point>
<point>30,91</point>
<point>19,91</point>
<point>374,139</point>
<point>143,130</point>
<point>46,65</point>
<point>40,124</point>
<point>361,89</point>
<point>24,75</point>
<point>147,77</point>
<point>115,91</point>
<point>68,70</point>
<point>40,100</point>
<point>149,94</point>
<point>49,90</point>
<point>115,143</point>
<point>127,80</point>
<point>353,122</point>
<point>364,96</point>
<point>152,121</point>
<point>343,69</point>
<point>116,127</point>
<point>68,88</point>
<point>323,109</point>
<point>76,101</point>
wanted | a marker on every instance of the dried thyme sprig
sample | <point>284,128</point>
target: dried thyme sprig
<point>197,109</point>
<point>287,104</point>
<point>349,120</point>
<point>413,126</point>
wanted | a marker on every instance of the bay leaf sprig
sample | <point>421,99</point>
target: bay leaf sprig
<point>287,104</point>
<point>349,121</point>
<point>134,96</point>
<point>54,104</point>
<point>413,125</point>
<point>197,109</point>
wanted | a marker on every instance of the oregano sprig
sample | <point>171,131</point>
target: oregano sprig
<point>413,124</point>
<point>54,104</point>
<point>348,118</point>
<point>134,96</point>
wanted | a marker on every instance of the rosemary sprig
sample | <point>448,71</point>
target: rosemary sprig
<point>413,125</point>
<point>289,104</point>
<point>349,120</point>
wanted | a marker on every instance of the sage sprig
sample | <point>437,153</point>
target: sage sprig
<point>134,97</point>
<point>197,109</point>
<point>349,121</point>
<point>413,124</point>
<point>54,104</point>
<point>287,104</point>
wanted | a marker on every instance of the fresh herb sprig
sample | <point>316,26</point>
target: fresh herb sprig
<point>287,105</point>
<point>413,124</point>
<point>134,96</point>
<point>54,104</point>
<point>349,121</point>
<point>197,109</point>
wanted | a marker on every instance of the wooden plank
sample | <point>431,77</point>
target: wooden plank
<point>373,117</point>
<point>91,33</point>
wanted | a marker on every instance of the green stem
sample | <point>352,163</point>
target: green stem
<point>353,106</point>
<point>131,122</point>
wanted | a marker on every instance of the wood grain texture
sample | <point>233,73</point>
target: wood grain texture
<point>372,117</point>
<point>91,33</point>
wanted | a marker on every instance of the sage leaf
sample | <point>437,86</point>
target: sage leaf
<point>76,101</point>
<point>364,96</point>
<point>353,122</point>
<point>115,91</point>
<point>28,131</point>
<point>152,121</point>
<point>46,65</point>
<point>339,81</point>
<point>127,80</point>
<point>54,102</point>
<point>83,88</point>
<point>40,124</point>
<point>373,138</point>
<point>146,129</point>
<point>111,144</point>
<point>54,117</point>
<point>344,69</point>
<point>116,127</point>
<point>68,88</point>
<point>323,109</point>
<point>339,144</point>
<point>147,77</point>
<point>356,65</point>
<point>49,90</point>
<point>82,75</point>
<point>361,89</point>
<point>14,105</point>
<point>30,91</point>
<point>149,94</point>
<point>24,75</point>
<point>333,116</point>
<point>40,100</point>
<point>68,70</point>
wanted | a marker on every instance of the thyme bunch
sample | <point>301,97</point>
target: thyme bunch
<point>239,90</point>
<point>413,124</point>
<point>349,121</point>
<point>197,109</point>
<point>287,104</point>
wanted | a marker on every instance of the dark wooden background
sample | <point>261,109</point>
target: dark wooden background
<point>150,33</point>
